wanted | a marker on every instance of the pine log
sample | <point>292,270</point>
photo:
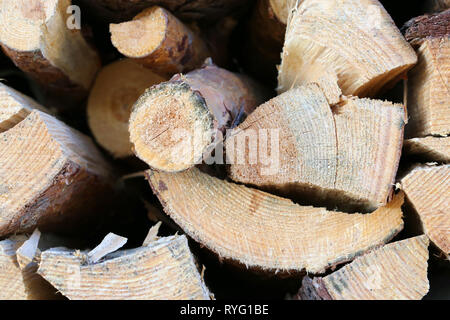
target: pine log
<point>437,5</point>
<point>159,41</point>
<point>14,107</point>
<point>51,176</point>
<point>163,270</point>
<point>429,148</point>
<point>205,10</point>
<point>396,271</point>
<point>428,85</point>
<point>352,45</point>
<point>263,231</point>
<point>19,281</point>
<point>33,33</point>
<point>428,189</point>
<point>115,90</point>
<point>345,156</point>
<point>175,123</point>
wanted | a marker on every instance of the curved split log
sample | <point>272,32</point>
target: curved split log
<point>34,34</point>
<point>14,107</point>
<point>429,82</point>
<point>316,50</point>
<point>429,148</point>
<point>260,230</point>
<point>346,156</point>
<point>163,270</point>
<point>396,271</point>
<point>428,189</point>
<point>51,176</point>
<point>115,90</point>
<point>175,124</point>
<point>159,41</point>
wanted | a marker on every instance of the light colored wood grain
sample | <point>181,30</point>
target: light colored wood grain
<point>353,41</point>
<point>260,230</point>
<point>428,189</point>
<point>346,155</point>
<point>430,148</point>
<point>163,270</point>
<point>116,89</point>
<point>396,271</point>
<point>50,174</point>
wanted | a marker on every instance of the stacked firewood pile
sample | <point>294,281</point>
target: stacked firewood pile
<point>156,149</point>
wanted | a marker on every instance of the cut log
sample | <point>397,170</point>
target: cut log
<point>21,282</point>
<point>353,45</point>
<point>265,41</point>
<point>429,148</point>
<point>437,5</point>
<point>14,107</point>
<point>428,189</point>
<point>34,34</point>
<point>175,123</point>
<point>159,41</point>
<point>207,10</point>
<point>51,176</point>
<point>115,90</point>
<point>396,271</point>
<point>263,231</point>
<point>429,82</point>
<point>163,270</point>
<point>346,156</point>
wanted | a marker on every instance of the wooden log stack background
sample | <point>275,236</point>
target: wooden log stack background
<point>283,149</point>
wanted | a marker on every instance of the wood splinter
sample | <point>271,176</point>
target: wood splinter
<point>113,94</point>
<point>346,156</point>
<point>396,271</point>
<point>174,124</point>
<point>34,34</point>
<point>339,45</point>
<point>164,269</point>
<point>428,189</point>
<point>263,231</point>
<point>51,176</point>
<point>159,41</point>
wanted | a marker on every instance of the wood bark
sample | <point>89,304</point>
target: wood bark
<point>428,189</point>
<point>428,95</point>
<point>35,36</point>
<point>163,270</point>
<point>262,231</point>
<point>346,156</point>
<point>159,41</point>
<point>429,148</point>
<point>113,94</point>
<point>324,44</point>
<point>14,107</point>
<point>396,271</point>
<point>174,124</point>
<point>51,176</point>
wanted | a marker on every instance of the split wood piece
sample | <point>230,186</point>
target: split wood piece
<point>35,35</point>
<point>263,47</point>
<point>14,107</point>
<point>159,41</point>
<point>282,9</point>
<point>430,148</point>
<point>163,270</point>
<point>347,155</point>
<point>115,90</point>
<point>339,45</point>
<point>428,189</point>
<point>396,271</point>
<point>260,230</point>
<point>437,5</point>
<point>429,82</point>
<point>175,123</point>
<point>205,10</point>
<point>20,282</point>
<point>51,176</point>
